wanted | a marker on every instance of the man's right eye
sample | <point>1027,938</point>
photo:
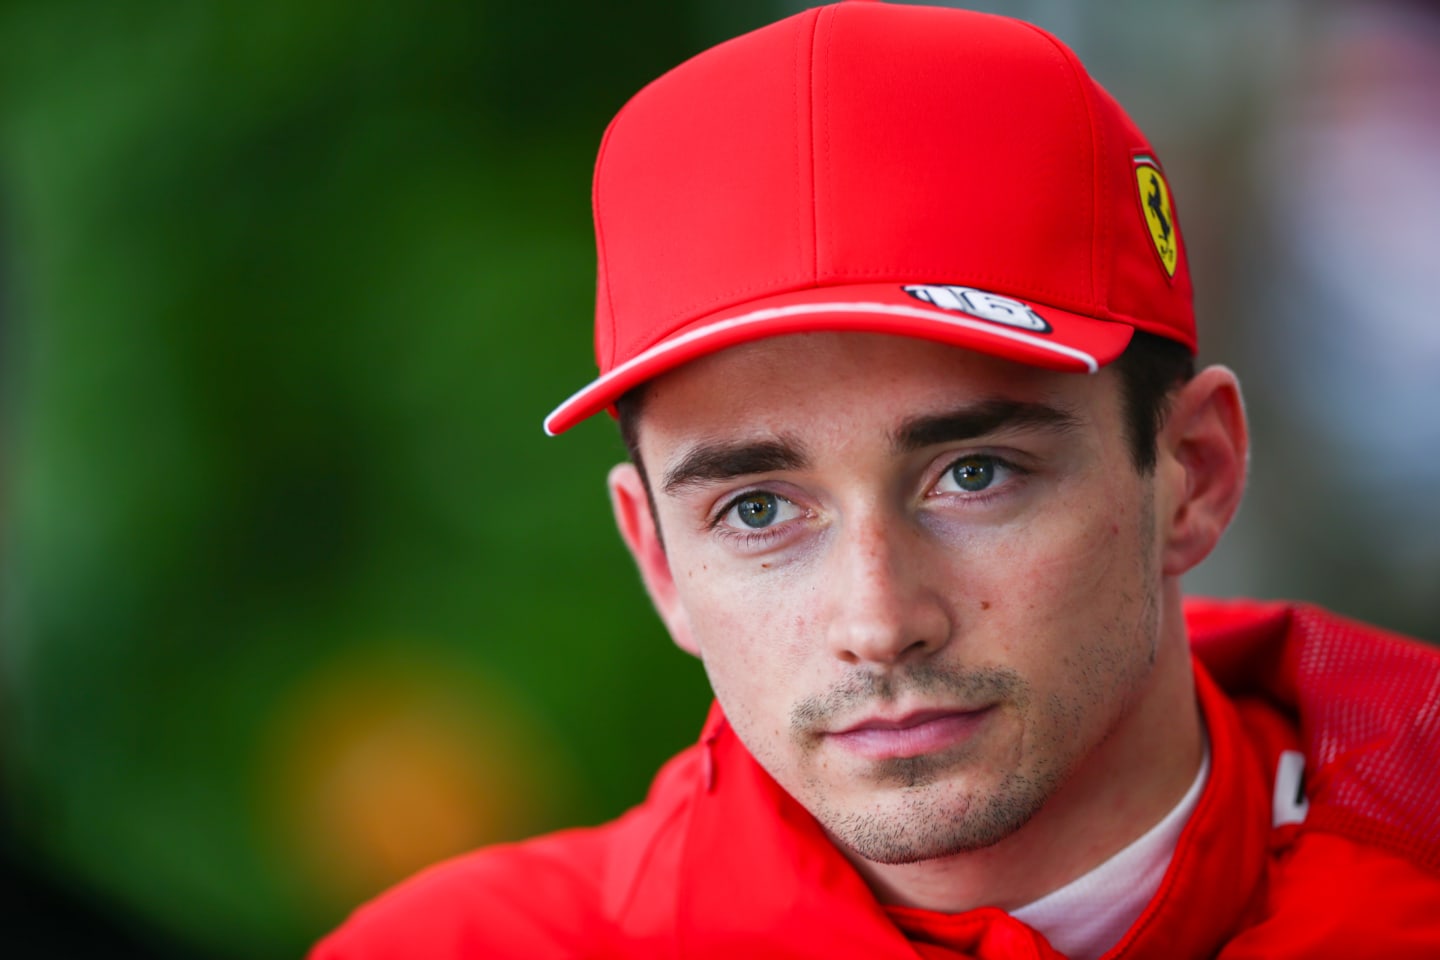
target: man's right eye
<point>758,510</point>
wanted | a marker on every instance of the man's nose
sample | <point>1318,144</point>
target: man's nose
<point>884,601</point>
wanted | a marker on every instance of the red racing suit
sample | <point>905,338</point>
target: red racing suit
<point>720,862</point>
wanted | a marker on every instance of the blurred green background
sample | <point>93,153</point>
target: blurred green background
<point>297,598</point>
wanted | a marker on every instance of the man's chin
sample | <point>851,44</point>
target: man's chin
<point>923,830</point>
<point>894,849</point>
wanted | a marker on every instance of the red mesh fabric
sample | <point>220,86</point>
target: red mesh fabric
<point>1368,704</point>
<point>1370,716</point>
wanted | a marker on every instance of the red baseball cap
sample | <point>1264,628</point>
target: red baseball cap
<point>877,167</point>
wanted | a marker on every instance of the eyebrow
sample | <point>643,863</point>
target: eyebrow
<point>723,460</point>
<point>977,420</point>
<point>717,462</point>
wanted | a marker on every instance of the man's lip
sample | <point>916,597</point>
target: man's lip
<point>904,721</point>
<point>912,734</point>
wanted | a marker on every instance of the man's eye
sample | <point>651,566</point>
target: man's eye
<point>759,510</point>
<point>971,474</point>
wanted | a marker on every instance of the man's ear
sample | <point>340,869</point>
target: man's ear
<point>1204,449</point>
<point>638,530</point>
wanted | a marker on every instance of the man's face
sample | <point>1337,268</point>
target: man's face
<point>924,582</point>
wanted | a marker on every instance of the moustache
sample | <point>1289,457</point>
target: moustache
<point>937,686</point>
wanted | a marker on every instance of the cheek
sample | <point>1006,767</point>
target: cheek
<point>1099,603</point>
<point>752,633</point>
<point>1091,547</point>
<point>1077,574</point>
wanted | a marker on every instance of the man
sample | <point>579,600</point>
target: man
<point>895,314</point>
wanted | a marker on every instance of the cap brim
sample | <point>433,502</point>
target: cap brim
<point>1073,342</point>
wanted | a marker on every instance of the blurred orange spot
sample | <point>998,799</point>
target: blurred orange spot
<point>377,770</point>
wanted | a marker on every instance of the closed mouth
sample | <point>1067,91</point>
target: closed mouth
<point>909,735</point>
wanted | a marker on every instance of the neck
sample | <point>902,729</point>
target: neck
<point>1122,789</point>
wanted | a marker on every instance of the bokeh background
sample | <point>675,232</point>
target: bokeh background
<point>296,596</point>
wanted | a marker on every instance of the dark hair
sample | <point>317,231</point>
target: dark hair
<point>1150,368</point>
<point>627,412</point>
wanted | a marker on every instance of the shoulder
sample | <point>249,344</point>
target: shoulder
<point>1357,872</point>
<point>566,894</point>
<point>538,898</point>
<point>476,899</point>
<point>1327,896</point>
<point>1362,703</point>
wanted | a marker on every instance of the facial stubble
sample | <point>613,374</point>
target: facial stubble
<point>935,817</point>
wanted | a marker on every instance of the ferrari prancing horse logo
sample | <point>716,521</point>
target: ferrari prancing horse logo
<point>1159,217</point>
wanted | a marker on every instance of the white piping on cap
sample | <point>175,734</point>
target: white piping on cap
<point>798,309</point>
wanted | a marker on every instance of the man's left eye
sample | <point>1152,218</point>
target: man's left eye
<point>972,474</point>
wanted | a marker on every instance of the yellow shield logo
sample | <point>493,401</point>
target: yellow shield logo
<point>1155,204</point>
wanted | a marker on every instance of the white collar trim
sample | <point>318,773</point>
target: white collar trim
<point>1089,915</point>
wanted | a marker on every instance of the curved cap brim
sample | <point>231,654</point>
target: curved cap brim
<point>964,317</point>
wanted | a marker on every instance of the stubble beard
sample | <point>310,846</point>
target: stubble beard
<point>926,827</point>
<point>932,816</point>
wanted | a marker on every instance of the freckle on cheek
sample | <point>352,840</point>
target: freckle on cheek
<point>984,604</point>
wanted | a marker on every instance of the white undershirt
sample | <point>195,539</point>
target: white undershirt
<point>1090,914</point>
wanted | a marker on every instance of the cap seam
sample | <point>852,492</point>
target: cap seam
<point>818,132</point>
<point>1077,94</point>
<point>1100,196</point>
<point>708,305</point>
<point>805,82</point>
<point>797,88</point>
<point>601,259</point>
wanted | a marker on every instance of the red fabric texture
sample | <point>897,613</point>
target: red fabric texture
<point>720,862</point>
<point>1368,704</point>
